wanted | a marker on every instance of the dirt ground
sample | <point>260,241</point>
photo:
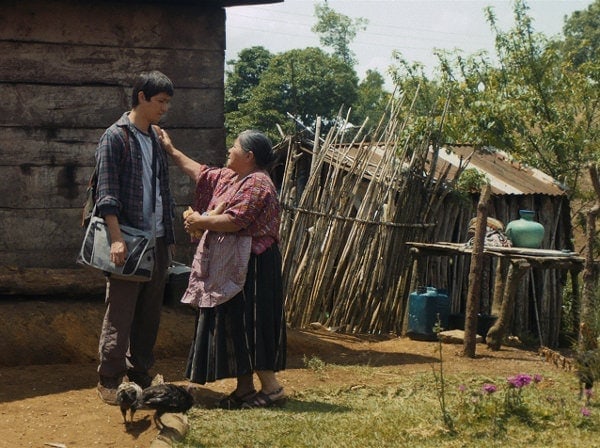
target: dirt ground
<point>48,378</point>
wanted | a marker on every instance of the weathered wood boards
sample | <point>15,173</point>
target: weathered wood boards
<point>65,75</point>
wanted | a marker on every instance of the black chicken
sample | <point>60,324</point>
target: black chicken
<point>166,398</point>
<point>129,397</point>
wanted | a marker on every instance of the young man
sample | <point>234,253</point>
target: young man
<point>125,156</point>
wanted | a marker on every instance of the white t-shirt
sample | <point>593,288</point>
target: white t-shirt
<point>146,145</point>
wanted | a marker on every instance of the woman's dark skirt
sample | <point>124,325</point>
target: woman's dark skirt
<point>246,333</point>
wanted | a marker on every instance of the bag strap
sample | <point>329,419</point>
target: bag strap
<point>154,180</point>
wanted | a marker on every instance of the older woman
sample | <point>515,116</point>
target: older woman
<point>247,333</point>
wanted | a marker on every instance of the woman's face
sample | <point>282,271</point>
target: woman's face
<point>238,160</point>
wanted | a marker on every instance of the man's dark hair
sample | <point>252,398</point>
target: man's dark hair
<point>151,83</point>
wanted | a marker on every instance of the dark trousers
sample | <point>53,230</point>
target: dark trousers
<point>132,318</point>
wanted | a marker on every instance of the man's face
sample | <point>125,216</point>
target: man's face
<point>154,109</point>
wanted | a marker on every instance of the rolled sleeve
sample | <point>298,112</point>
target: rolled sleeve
<point>109,154</point>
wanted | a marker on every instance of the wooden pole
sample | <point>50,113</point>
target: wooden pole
<point>414,282</point>
<point>477,258</point>
<point>499,285</point>
<point>517,269</point>
<point>587,328</point>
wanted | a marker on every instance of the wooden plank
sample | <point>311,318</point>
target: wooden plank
<point>51,238</point>
<point>37,146</point>
<point>39,258</point>
<point>73,282</point>
<point>86,106</point>
<point>499,251</point>
<point>186,26</point>
<point>29,62</point>
<point>65,258</point>
<point>36,187</point>
<point>50,187</point>
<point>47,146</point>
<point>41,230</point>
<point>56,146</point>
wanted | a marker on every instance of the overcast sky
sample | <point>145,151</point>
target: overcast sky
<point>414,27</point>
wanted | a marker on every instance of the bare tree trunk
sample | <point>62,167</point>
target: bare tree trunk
<point>414,282</point>
<point>499,285</point>
<point>576,306</point>
<point>477,259</point>
<point>587,326</point>
<point>517,269</point>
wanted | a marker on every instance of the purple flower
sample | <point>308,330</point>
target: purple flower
<point>585,412</point>
<point>462,388</point>
<point>519,381</point>
<point>489,388</point>
<point>537,378</point>
<point>588,393</point>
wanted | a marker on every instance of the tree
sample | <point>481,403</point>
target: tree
<point>244,75</point>
<point>582,35</point>
<point>262,88</point>
<point>305,83</point>
<point>536,104</point>
<point>372,100</point>
<point>337,31</point>
<point>422,99</point>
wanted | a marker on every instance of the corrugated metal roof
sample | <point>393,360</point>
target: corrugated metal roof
<point>505,175</point>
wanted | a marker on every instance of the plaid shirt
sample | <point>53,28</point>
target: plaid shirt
<point>120,190</point>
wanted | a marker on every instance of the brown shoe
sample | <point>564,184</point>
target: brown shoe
<point>107,389</point>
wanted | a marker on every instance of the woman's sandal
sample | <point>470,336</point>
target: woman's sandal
<point>263,400</point>
<point>233,401</point>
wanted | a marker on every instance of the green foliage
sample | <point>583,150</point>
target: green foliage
<point>440,380</point>
<point>244,76</point>
<point>304,83</point>
<point>426,95</point>
<point>337,31</point>
<point>582,36</point>
<point>402,413</point>
<point>422,99</point>
<point>471,181</point>
<point>262,90</point>
<point>515,401</point>
<point>537,105</point>
<point>540,101</point>
<point>314,363</point>
<point>372,100</point>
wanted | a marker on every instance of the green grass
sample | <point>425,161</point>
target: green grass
<point>408,414</point>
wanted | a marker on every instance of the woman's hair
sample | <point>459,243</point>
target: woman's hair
<point>151,83</point>
<point>259,144</point>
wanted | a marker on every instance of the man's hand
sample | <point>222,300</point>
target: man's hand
<point>118,248</point>
<point>118,252</point>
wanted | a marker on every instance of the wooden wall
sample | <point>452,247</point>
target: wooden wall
<point>66,69</point>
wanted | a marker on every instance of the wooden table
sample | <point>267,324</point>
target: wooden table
<point>519,261</point>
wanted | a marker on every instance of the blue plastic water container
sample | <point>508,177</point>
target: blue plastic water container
<point>424,306</point>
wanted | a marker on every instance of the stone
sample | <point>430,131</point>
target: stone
<point>456,337</point>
